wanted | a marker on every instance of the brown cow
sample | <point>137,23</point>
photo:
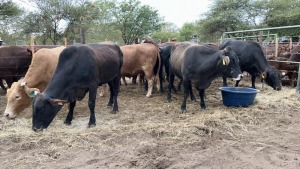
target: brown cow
<point>37,78</point>
<point>14,63</point>
<point>142,58</point>
<point>295,54</point>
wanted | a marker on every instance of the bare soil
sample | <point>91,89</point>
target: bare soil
<point>151,133</point>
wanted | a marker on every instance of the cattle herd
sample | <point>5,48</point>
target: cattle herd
<point>64,75</point>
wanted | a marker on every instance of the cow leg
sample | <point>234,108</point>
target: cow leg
<point>102,90</point>
<point>185,95</point>
<point>69,118</point>
<point>179,85</point>
<point>114,91</point>
<point>193,98</point>
<point>124,81</point>
<point>146,85</point>
<point>171,85</point>
<point>150,85</point>
<point>253,77</point>
<point>224,81</point>
<point>111,89</point>
<point>237,83</point>
<point>202,103</point>
<point>2,85</point>
<point>92,99</point>
<point>161,80</point>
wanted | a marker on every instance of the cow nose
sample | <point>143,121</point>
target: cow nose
<point>36,129</point>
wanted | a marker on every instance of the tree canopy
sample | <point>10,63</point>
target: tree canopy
<point>126,21</point>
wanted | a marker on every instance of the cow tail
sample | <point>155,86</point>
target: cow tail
<point>156,70</point>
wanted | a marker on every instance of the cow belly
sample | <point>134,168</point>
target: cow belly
<point>80,93</point>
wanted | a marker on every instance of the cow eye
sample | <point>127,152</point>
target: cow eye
<point>17,97</point>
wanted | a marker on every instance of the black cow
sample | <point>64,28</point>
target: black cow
<point>165,52</point>
<point>253,61</point>
<point>200,65</point>
<point>80,69</point>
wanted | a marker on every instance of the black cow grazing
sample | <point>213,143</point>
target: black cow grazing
<point>200,65</point>
<point>253,61</point>
<point>80,69</point>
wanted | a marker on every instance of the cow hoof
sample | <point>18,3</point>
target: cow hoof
<point>113,112</point>
<point>91,125</point>
<point>148,95</point>
<point>68,123</point>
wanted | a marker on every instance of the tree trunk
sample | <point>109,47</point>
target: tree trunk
<point>82,36</point>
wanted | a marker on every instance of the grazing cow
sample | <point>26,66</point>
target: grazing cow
<point>80,69</point>
<point>200,65</point>
<point>14,62</point>
<point>253,61</point>
<point>142,58</point>
<point>41,69</point>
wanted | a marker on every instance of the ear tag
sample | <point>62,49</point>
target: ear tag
<point>60,103</point>
<point>33,93</point>
<point>223,61</point>
<point>262,76</point>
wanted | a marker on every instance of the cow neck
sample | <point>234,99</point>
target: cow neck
<point>263,65</point>
<point>57,88</point>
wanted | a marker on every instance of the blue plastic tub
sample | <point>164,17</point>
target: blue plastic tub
<point>238,96</point>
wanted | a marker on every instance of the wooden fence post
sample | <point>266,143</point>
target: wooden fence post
<point>32,44</point>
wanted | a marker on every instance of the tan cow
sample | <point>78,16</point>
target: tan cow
<point>142,57</point>
<point>42,67</point>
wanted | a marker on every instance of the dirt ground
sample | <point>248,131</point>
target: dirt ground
<point>150,133</point>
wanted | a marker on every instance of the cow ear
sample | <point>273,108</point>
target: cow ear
<point>263,75</point>
<point>31,92</point>
<point>227,49</point>
<point>225,60</point>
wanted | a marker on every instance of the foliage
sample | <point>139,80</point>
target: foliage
<point>135,21</point>
<point>167,32</point>
<point>187,31</point>
<point>283,13</point>
<point>8,9</point>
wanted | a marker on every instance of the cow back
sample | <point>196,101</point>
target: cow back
<point>177,55</point>
<point>83,66</point>
<point>139,57</point>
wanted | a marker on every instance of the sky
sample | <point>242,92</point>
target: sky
<point>179,11</point>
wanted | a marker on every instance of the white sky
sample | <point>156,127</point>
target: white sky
<point>179,11</point>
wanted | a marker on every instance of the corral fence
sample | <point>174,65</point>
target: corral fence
<point>271,43</point>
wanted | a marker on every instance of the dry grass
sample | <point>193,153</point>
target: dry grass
<point>141,121</point>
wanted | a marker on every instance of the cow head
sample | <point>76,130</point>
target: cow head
<point>272,77</point>
<point>44,110</point>
<point>229,64</point>
<point>18,98</point>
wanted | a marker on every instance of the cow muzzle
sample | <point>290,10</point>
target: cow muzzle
<point>239,77</point>
<point>9,115</point>
<point>38,129</point>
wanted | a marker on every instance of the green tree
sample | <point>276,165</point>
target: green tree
<point>167,32</point>
<point>136,21</point>
<point>187,31</point>
<point>229,15</point>
<point>8,9</point>
<point>283,13</point>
